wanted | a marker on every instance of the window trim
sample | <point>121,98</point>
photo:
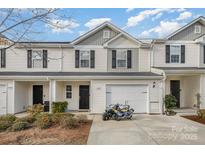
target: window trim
<point>199,28</point>
<point>71,91</point>
<point>80,58</point>
<point>108,32</point>
<point>178,45</point>
<point>117,51</point>
<point>32,59</point>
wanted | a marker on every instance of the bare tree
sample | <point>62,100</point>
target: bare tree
<point>23,24</point>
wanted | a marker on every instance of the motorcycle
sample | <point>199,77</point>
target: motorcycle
<point>118,112</point>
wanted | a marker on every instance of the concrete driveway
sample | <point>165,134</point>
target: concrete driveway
<point>146,129</point>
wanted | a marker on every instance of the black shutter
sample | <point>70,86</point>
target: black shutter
<point>182,53</point>
<point>92,59</point>
<point>3,58</point>
<point>45,58</point>
<point>77,56</point>
<point>29,58</point>
<point>167,54</point>
<point>129,58</point>
<point>113,58</point>
<point>204,54</point>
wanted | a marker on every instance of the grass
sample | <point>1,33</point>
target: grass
<point>54,135</point>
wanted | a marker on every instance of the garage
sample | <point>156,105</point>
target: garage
<point>134,95</point>
<point>3,98</point>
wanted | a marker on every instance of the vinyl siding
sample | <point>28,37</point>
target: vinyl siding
<point>97,38</point>
<point>188,33</point>
<point>135,62</point>
<point>191,56</point>
<point>144,60</point>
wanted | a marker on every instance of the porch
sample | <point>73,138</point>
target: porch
<point>186,89</point>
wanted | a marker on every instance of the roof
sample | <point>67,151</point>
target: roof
<point>78,74</point>
<point>109,24</point>
<point>201,19</point>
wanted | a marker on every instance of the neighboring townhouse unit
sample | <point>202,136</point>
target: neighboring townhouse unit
<point>181,59</point>
<point>106,65</point>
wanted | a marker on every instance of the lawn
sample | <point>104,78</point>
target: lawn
<point>53,135</point>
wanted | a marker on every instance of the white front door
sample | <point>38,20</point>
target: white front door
<point>3,95</point>
<point>133,95</point>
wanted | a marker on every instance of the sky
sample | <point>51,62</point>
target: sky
<point>140,23</point>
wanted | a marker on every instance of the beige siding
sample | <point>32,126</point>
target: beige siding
<point>100,61</point>
<point>98,96</point>
<point>144,60</point>
<point>188,33</point>
<point>97,38</point>
<point>191,56</point>
<point>135,62</point>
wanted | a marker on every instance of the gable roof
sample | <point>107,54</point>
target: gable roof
<point>200,19</point>
<point>108,24</point>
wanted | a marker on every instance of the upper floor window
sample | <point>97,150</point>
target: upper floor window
<point>106,34</point>
<point>121,58</point>
<point>197,29</point>
<point>85,58</point>
<point>2,58</point>
<point>68,91</point>
<point>37,59</point>
<point>175,53</point>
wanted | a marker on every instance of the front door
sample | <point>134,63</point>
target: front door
<point>37,94</point>
<point>175,90</point>
<point>84,97</point>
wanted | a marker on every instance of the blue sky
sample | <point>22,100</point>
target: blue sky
<point>141,23</point>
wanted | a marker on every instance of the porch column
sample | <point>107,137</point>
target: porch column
<point>52,93</point>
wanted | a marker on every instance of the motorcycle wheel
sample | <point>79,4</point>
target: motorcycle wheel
<point>104,117</point>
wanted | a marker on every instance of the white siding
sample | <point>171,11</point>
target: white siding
<point>191,56</point>
<point>144,60</point>
<point>98,88</point>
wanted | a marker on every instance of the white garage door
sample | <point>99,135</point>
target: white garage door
<point>133,95</point>
<point>3,95</point>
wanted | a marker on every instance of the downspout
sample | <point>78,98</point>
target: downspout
<point>61,64</point>
<point>163,92</point>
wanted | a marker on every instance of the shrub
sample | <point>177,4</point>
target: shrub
<point>30,119</point>
<point>82,118</point>
<point>201,113</point>
<point>69,122</point>
<point>43,121</point>
<point>9,117</point>
<point>4,125</point>
<point>35,109</point>
<point>170,103</point>
<point>59,107</point>
<point>19,125</point>
<point>57,117</point>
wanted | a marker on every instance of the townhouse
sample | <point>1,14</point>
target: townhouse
<point>104,66</point>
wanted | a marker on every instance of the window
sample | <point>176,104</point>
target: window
<point>37,59</point>
<point>68,91</point>
<point>85,58</point>
<point>121,58</point>
<point>175,53</point>
<point>197,29</point>
<point>106,34</point>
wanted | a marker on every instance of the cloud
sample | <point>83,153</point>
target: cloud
<point>184,15</point>
<point>129,9</point>
<point>163,29</point>
<point>157,16</point>
<point>95,22</point>
<point>135,20</point>
<point>58,26</point>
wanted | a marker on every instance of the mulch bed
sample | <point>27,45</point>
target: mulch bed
<point>195,118</point>
<point>51,136</point>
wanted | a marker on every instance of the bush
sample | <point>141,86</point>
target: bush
<point>59,107</point>
<point>43,121</point>
<point>170,103</point>
<point>69,122</point>
<point>82,118</point>
<point>57,117</point>
<point>19,125</point>
<point>201,113</point>
<point>30,119</point>
<point>9,117</point>
<point>4,125</point>
<point>35,109</point>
